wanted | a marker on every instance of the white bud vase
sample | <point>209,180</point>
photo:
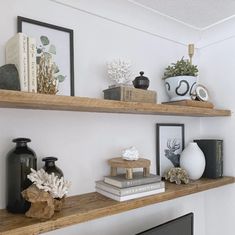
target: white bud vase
<point>193,161</point>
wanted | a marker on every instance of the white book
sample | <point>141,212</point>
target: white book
<point>17,54</point>
<point>129,197</point>
<point>130,190</point>
<point>32,66</point>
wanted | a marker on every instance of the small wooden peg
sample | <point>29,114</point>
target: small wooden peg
<point>191,52</point>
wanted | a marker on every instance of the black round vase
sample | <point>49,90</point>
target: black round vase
<point>50,166</point>
<point>141,82</point>
<point>19,162</point>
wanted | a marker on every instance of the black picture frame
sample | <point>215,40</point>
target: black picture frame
<point>20,22</point>
<point>167,146</point>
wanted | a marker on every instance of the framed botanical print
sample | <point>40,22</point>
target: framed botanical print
<point>54,44</point>
<point>170,143</point>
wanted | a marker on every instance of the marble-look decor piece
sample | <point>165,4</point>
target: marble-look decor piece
<point>9,77</point>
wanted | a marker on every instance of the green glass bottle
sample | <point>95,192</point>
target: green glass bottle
<point>50,166</point>
<point>19,162</point>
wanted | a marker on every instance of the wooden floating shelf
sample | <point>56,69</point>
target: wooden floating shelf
<point>26,100</point>
<point>82,208</point>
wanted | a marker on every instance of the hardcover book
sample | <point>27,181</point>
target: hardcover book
<point>130,190</point>
<point>17,54</point>
<point>130,94</point>
<point>138,179</point>
<point>213,151</point>
<point>129,197</point>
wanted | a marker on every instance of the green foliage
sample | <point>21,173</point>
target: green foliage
<point>56,68</point>
<point>45,40</point>
<point>48,51</point>
<point>52,49</point>
<point>60,78</point>
<point>181,68</point>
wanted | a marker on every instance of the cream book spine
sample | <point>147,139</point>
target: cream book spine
<point>17,54</point>
<point>32,67</point>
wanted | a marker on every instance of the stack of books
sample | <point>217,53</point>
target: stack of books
<point>21,51</point>
<point>121,189</point>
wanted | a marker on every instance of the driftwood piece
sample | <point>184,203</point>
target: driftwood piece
<point>42,203</point>
<point>58,203</point>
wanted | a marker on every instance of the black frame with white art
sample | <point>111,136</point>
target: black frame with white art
<point>60,34</point>
<point>169,143</point>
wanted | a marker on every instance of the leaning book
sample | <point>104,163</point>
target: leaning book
<point>129,197</point>
<point>138,179</point>
<point>17,54</point>
<point>130,190</point>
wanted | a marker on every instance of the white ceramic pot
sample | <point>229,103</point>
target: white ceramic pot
<point>180,87</point>
<point>193,161</point>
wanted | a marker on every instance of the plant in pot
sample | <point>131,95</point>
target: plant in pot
<point>180,80</point>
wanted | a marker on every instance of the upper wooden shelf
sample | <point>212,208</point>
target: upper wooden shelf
<point>26,100</point>
<point>82,208</point>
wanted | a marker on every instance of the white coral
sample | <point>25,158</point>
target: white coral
<point>130,154</point>
<point>119,71</point>
<point>57,187</point>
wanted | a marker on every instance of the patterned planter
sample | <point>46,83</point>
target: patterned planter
<point>180,87</point>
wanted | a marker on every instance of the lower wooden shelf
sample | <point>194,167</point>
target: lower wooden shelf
<point>85,207</point>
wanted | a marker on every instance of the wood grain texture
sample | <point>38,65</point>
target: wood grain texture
<point>81,208</point>
<point>120,162</point>
<point>26,100</point>
<point>192,103</point>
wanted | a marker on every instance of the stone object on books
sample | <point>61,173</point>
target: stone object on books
<point>130,94</point>
<point>9,77</point>
<point>120,180</point>
<point>177,175</point>
<point>119,162</point>
<point>130,154</point>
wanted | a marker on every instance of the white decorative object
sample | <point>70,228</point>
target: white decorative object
<point>180,87</point>
<point>202,93</point>
<point>119,71</point>
<point>130,154</point>
<point>57,187</point>
<point>193,161</point>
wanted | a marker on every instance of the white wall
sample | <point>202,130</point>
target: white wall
<point>218,75</point>
<point>84,141</point>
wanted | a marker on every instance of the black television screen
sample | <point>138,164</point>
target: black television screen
<point>180,226</point>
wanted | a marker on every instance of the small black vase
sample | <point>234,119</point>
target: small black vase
<point>141,82</point>
<point>19,162</point>
<point>50,166</point>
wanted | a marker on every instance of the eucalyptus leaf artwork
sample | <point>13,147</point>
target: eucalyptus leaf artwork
<point>54,55</point>
<point>49,75</point>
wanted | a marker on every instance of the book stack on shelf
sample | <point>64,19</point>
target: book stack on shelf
<point>121,189</point>
<point>21,51</point>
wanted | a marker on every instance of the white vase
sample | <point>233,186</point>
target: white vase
<point>193,161</point>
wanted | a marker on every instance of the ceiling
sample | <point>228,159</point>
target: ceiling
<point>199,14</point>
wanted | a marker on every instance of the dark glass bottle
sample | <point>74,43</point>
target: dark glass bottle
<point>19,162</point>
<point>50,166</point>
